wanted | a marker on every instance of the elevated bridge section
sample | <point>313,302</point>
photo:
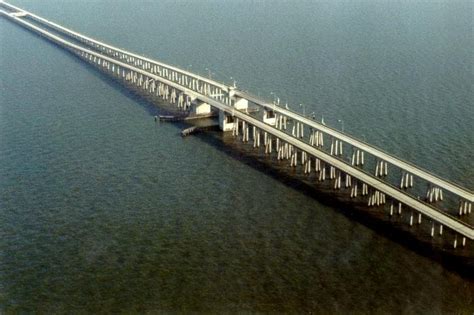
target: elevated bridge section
<point>405,173</point>
<point>280,131</point>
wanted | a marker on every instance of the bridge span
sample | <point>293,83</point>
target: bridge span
<point>283,131</point>
<point>228,94</point>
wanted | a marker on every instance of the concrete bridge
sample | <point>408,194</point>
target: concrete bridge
<point>355,166</point>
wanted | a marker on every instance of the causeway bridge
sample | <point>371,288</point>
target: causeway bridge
<point>355,167</point>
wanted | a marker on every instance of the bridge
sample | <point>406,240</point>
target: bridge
<point>352,165</point>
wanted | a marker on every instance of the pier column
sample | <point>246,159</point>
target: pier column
<point>381,168</point>
<point>354,189</point>
<point>434,194</point>
<point>357,157</point>
<point>336,147</point>
<point>406,180</point>
<point>465,207</point>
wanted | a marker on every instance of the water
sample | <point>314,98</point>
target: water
<point>101,209</point>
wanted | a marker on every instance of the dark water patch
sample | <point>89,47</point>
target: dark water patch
<point>395,228</point>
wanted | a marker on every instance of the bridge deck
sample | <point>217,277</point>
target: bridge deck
<point>408,200</point>
<point>411,168</point>
<point>73,33</point>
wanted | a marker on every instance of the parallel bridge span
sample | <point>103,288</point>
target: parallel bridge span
<point>467,197</point>
<point>409,167</point>
<point>89,41</point>
<point>288,141</point>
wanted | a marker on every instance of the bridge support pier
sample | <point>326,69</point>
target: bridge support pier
<point>336,147</point>
<point>354,190</point>
<point>226,121</point>
<point>280,121</point>
<point>434,194</point>
<point>357,157</point>
<point>406,180</point>
<point>465,207</point>
<point>381,168</point>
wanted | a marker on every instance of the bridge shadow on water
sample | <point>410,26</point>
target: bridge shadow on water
<point>153,105</point>
<point>395,228</point>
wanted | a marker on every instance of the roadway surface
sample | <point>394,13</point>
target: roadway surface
<point>78,35</point>
<point>412,169</point>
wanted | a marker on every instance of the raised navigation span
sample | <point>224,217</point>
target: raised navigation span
<point>326,153</point>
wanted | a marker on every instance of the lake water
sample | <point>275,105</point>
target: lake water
<point>103,210</point>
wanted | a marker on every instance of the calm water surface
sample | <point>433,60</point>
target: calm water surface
<point>101,209</point>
